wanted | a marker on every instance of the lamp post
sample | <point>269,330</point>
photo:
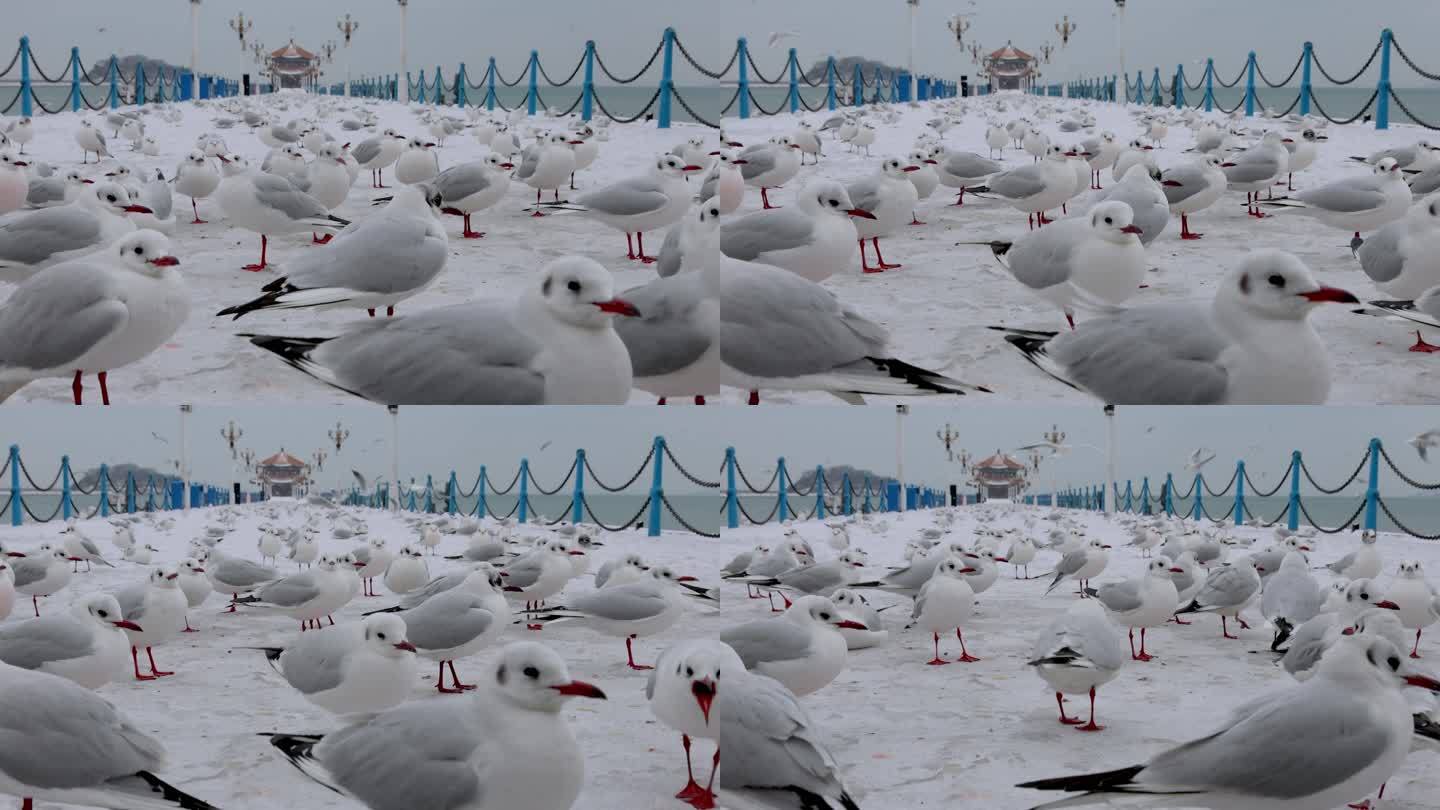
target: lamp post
<point>182,464</point>
<point>338,436</point>
<point>395,449</point>
<point>1045,51</point>
<point>404,62</point>
<point>247,457</point>
<point>347,27</point>
<point>241,27</point>
<point>958,25</point>
<point>231,433</point>
<point>914,6</point>
<point>194,53</point>
<point>900,412</point>
<point>1055,438</point>
<point>1120,33</point>
<point>947,437</point>
<point>1065,28</point>
<point>975,52</point>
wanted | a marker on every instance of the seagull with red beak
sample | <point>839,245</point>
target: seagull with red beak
<point>657,199</point>
<point>770,165</point>
<point>93,314</point>
<point>507,747</point>
<point>682,690</point>
<point>889,197</point>
<point>811,239</point>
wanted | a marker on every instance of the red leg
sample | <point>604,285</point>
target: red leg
<point>629,248</point>
<point>960,200</point>
<point>937,660</point>
<point>1143,656</point>
<point>630,656</point>
<point>196,209</point>
<point>381,174</point>
<point>706,800</point>
<point>1064,718</point>
<point>1176,618</point>
<point>264,245</point>
<point>699,399</point>
<point>661,401</point>
<point>454,678</point>
<point>537,205</point>
<point>469,234</point>
<point>692,788</point>
<point>914,220</point>
<point>1415,652</point>
<point>881,259</point>
<point>754,398</point>
<point>1090,726</point>
<point>371,311</point>
<point>765,197</point>
<point>234,600</point>
<point>440,683</point>
<point>1422,346</point>
<point>188,628</point>
<point>135,659</point>
<point>390,313</point>
<point>76,388</point>
<point>104,389</point>
<point>1241,620</point>
<point>965,656</point>
<point>1225,629</point>
<point>864,266</point>
<point>1185,232</point>
<point>640,240</point>
<point>35,603</point>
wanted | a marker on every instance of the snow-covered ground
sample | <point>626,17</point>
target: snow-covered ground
<point>209,712</point>
<point>914,736</point>
<point>937,307</point>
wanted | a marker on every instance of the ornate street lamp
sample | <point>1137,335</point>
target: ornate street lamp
<point>231,433</point>
<point>241,26</point>
<point>947,437</point>
<point>958,25</point>
<point>347,27</point>
<point>1045,51</point>
<point>976,52</point>
<point>1065,28</point>
<point>319,458</point>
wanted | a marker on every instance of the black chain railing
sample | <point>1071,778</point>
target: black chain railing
<point>631,79</point>
<point>636,117</point>
<point>1183,495</point>
<point>704,71</point>
<point>31,480</point>
<point>1212,493</point>
<point>1348,481</point>
<point>564,514</point>
<point>1195,86</point>
<point>699,119</point>
<point>58,107</point>
<point>1237,105</point>
<point>1413,117</point>
<point>734,98</point>
<point>1238,77</point>
<point>1385,454</point>
<point>691,477</point>
<point>1315,100</point>
<point>543,491</point>
<point>643,465</point>
<point>1266,524</point>
<point>803,103</point>
<point>6,508</point>
<point>1386,509</point>
<point>35,66</point>
<point>1342,527</point>
<point>664,499</point>
<point>790,485</point>
<point>1296,69</point>
<point>512,511</point>
<point>104,100</point>
<point>500,77</point>
<point>585,504</point>
<point>463,494</point>
<point>1323,72</point>
<point>1255,488</point>
<point>501,104</point>
<point>14,100</point>
<point>760,75</point>
<point>59,504</point>
<point>760,106</point>
<point>804,77</point>
<point>740,502</point>
<point>746,481</point>
<point>1405,57</point>
<point>553,83</point>
<point>13,60</point>
<point>573,105</point>
<point>507,490</point>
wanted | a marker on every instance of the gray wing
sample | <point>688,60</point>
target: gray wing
<point>316,663</point>
<point>417,755</point>
<point>1429,302</point>
<point>1308,644</point>
<point>1120,596</point>
<point>969,164</point>
<point>1380,254</point>
<point>462,354</point>
<point>529,162</point>
<point>675,328</point>
<point>157,198</point>
<point>281,195</point>
<point>1017,184</point>
<point>1071,562</point>
<point>602,575</point>
<point>1296,598</point>
<point>1043,259</point>
<point>641,600</point>
<point>759,159</point>
<point>30,643</point>
<point>637,195</point>
<point>55,734</point>
<point>1345,196</point>
<point>1090,633</point>
<point>284,134</point>
<point>1285,750</point>
<point>44,190</point>
<point>292,591</point>
<point>707,186</point>
<point>1158,355</point>
<point>1342,563</point>
<point>767,640</point>
<point>366,151</point>
<point>29,570</point>
<point>1191,180</point>
<point>235,572</point>
<point>459,182</point>
<point>671,257</point>
<point>523,571</point>
<point>1250,167</point>
<point>31,237</point>
<point>132,601</point>
<point>1426,182</point>
<point>388,254</point>
<point>1226,587</point>
<point>770,742</point>
<point>57,316</point>
<point>813,579</point>
<point>447,621</point>
<point>433,588</point>
<point>865,194</point>
<point>760,232</point>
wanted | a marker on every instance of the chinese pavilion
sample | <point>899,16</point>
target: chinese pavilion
<point>1011,68</point>
<point>282,475</point>
<point>999,477</point>
<point>293,66</point>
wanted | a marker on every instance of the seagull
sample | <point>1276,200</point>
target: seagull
<point>458,623</point>
<point>1199,458</point>
<point>776,37</point>
<point>1424,442</point>
<point>85,645</point>
<point>802,648</point>
<point>353,668</point>
<point>682,691</point>
<point>1078,652</point>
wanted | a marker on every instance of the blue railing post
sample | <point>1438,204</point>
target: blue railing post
<point>732,503</point>
<point>524,507</point>
<point>1305,59</point>
<point>865,505</point>
<point>1209,85</point>
<point>439,86</point>
<point>1169,494</point>
<point>140,83</point>
<point>847,506</point>
<point>67,507</point>
<point>1239,493</point>
<point>1382,90</point>
<point>577,500</point>
<point>794,64</point>
<point>74,80</point>
<point>1129,496</point>
<point>657,488</point>
<point>830,83</point>
<point>1294,505</point>
<point>1250,85</point>
<point>1139,87</point>
<point>1155,100</point>
<point>782,510</point>
<point>1198,509</point>
<point>532,96</point>
<point>859,86</point>
<point>587,90</point>
<point>429,494</point>
<point>15,513</point>
<point>1145,495</point>
<point>819,491</point>
<point>104,489</point>
<point>113,72</point>
<point>1179,86</point>
<point>1372,489</point>
<point>742,59</point>
<point>26,92</point>
<point>460,82</point>
<point>481,510</point>
<point>490,85</point>
<point>667,70</point>
<point>130,492</point>
<point>452,497</point>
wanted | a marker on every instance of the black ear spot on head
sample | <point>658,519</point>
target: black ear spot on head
<point>545,288</point>
<point>1245,284</point>
<point>500,675</point>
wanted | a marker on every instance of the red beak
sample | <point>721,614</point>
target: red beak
<point>1331,294</point>
<point>692,168</point>
<point>172,576</point>
<point>850,624</point>
<point>713,154</point>
<point>1177,570</point>
<point>1000,559</point>
<point>618,306</point>
<point>88,182</point>
<point>13,554</point>
<point>165,261</point>
<point>406,646</point>
<point>579,689</point>
<point>514,588</point>
<point>911,169</point>
<point>933,162</point>
<point>429,143</point>
<point>1387,604</point>
<point>704,692</point>
<point>1135,230</point>
<point>507,165</point>
<point>861,213</point>
<point>223,159</point>
<point>738,161</point>
<point>345,146</point>
<point>359,564</point>
<point>1287,140</point>
<point>341,162</point>
<point>1171,183</point>
<point>733,143</point>
<point>137,209</point>
<point>576,553</point>
<point>1349,631</point>
<point>575,143</point>
<point>454,212</point>
<point>126,624</point>
<point>1423,682</point>
<point>686,579</point>
<point>19,163</point>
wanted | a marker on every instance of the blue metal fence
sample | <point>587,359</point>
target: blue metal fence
<point>111,495</point>
<point>845,497</point>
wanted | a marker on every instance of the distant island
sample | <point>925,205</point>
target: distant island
<point>835,476</point>
<point>845,68</point>
<point>126,65</point>
<point>88,479</point>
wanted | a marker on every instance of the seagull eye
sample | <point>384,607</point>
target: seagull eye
<point>380,636</point>
<point>110,197</point>
<point>1276,280</point>
<point>825,616</point>
<point>834,203</point>
<point>689,672</point>
<point>1393,662</point>
<point>139,251</point>
<point>1109,221</point>
<point>103,613</point>
<point>531,672</point>
<point>1365,596</point>
<point>573,286</point>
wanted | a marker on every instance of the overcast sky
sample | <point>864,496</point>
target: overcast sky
<point>1151,441</point>
<point>449,31</point>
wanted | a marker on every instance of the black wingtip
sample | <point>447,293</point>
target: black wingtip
<point>921,378</point>
<point>1087,783</point>
<point>290,349</point>
<point>240,310</point>
<point>1028,344</point>
<point>1193,607</point>
<point>172,794</point>
<point>334,218</point>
